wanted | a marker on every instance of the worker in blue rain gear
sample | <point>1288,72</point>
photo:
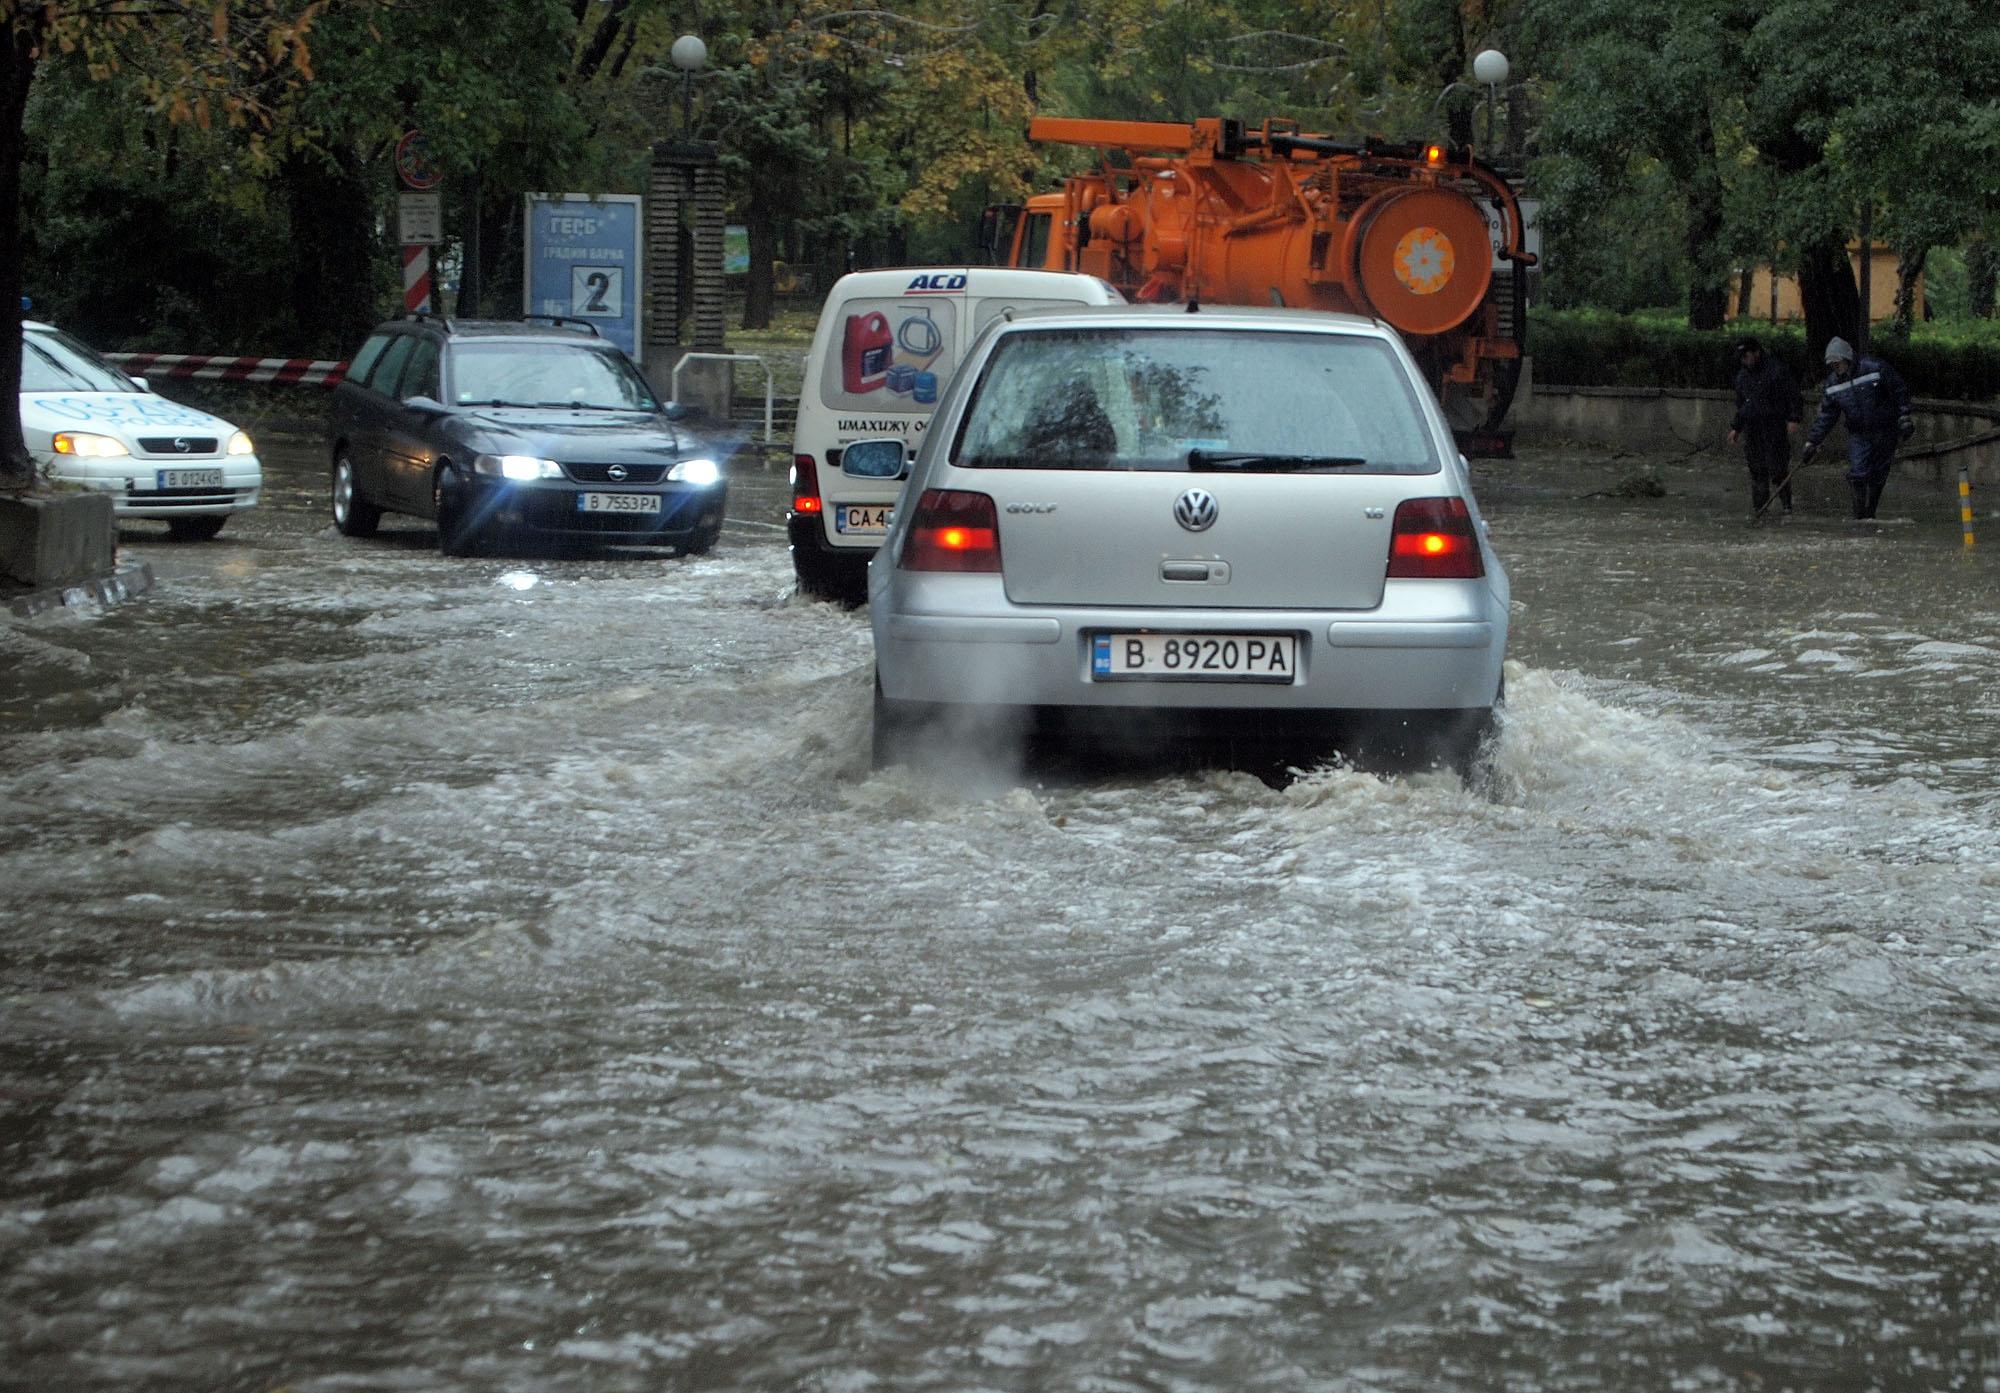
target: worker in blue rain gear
<point>1767,417</point>
<point>1874,400</point>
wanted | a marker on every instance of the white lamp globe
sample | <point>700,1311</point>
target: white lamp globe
<point>1490,67</point>
<point>689,53</point>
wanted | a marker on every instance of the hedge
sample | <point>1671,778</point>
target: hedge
<point>1592,348</point>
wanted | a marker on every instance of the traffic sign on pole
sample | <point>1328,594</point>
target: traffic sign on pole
<point>414,163</point>
<point>420,218</point>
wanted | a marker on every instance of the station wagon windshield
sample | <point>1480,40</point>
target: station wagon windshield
<point>548,375</point>
<point>1155,399</point>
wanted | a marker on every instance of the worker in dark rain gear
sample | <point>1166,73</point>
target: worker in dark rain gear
<point>1767,417</point>
<point>1873,399</point>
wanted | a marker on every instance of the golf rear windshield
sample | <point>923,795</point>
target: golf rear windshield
<point>1179,399</point>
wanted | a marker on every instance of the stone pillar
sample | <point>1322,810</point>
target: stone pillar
<point>686,186</point>
<point>666,191</point>
<point>710,302</point>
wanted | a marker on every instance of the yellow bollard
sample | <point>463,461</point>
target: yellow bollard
<point>1965,503</point>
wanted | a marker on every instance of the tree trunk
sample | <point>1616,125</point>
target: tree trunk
<point>759,286</point>
<point>1909,270</point>
<point>1832,303</point>
<point>1708,267</point>
<point>333,252</point>
<point>17,73</point>
<point>1982,277</point>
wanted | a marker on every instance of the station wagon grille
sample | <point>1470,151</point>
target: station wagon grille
<point>601,473</point>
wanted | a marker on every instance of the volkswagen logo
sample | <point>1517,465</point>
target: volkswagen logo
<point>616,473</point>
<point>1195,510</point>
<point>181,444</point>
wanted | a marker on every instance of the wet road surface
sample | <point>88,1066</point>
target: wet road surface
<point>506,973</point>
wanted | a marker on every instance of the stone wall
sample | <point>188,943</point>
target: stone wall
<point>1674,420</point>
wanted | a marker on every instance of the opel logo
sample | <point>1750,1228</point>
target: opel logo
<point>1195,510</point>
<point>616,473</point>
<point>181,443</point>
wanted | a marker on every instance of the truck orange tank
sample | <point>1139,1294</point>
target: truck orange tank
<point>1216,212</point>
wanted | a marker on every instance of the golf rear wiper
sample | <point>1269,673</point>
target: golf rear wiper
<point>1261,459</point>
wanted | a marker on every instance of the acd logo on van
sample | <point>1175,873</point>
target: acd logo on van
<point>938,280</point>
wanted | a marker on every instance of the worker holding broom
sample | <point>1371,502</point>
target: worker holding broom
<point>1874,400</point>
<point>1767,417</point>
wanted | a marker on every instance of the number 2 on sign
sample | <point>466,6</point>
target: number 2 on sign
<point>597,290</point>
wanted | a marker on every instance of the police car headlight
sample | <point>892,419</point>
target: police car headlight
<point>700,472</point>
<point>86,446</point>
<point>239,444</point>
<point>516,467</point>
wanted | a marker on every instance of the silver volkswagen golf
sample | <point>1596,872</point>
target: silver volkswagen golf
<point>1231,523</point>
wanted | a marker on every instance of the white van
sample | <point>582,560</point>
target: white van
<point>884,350</point>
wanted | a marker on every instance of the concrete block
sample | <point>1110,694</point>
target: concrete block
<point>128,582</point>
<point>56,539</point>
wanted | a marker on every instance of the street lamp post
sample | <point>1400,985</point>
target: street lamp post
<point>688,53</point>
<point>1490,67</point>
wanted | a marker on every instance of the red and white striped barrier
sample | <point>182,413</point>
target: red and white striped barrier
<point>285,372</point>
<point>416,278</point>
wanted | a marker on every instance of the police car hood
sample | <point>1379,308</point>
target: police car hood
<point>604,437</point>
<point>123,415</point>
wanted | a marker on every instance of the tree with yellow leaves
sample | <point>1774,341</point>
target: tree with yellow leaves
<point>199,61</point>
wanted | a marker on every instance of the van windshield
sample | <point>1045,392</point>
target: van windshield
<point>1178,399</point>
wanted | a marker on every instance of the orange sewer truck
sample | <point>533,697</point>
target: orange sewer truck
<point>1218,212</point>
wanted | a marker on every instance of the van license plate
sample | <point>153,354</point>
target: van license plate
<point>618,503</point>
<point>873,519</point>
<point>1194,657</point>
<point>189,478</point>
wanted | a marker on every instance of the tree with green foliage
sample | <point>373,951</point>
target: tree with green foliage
<point>198,62</point>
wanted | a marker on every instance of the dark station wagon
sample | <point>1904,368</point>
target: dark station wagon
<point>517,430</point>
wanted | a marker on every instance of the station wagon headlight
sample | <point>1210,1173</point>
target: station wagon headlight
<point>516,467</point>
<point>700,472</point>
<point>86,446</point>
<point>239,444</point>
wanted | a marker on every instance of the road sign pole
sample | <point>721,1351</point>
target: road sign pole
<point>420,213</point>
<point>416,279</point>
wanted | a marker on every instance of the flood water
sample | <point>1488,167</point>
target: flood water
<point>507,974</point>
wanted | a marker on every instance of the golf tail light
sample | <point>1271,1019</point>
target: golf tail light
<point>805,485</point>
<point>953,531</point>
<point>1433,540</point>
<point>83,445</point>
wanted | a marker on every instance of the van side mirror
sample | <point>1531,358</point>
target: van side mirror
<point>872,459</point>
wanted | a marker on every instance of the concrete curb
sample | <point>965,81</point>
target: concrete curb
<point>127,582</point>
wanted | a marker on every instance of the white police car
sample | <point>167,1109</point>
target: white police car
<point>86,423</point>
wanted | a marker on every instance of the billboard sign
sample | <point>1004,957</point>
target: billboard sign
<point>583,262</point>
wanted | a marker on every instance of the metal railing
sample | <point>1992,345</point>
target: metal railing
<point>770,384</point>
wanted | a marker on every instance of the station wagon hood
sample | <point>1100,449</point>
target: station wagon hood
<point>632,436</point>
